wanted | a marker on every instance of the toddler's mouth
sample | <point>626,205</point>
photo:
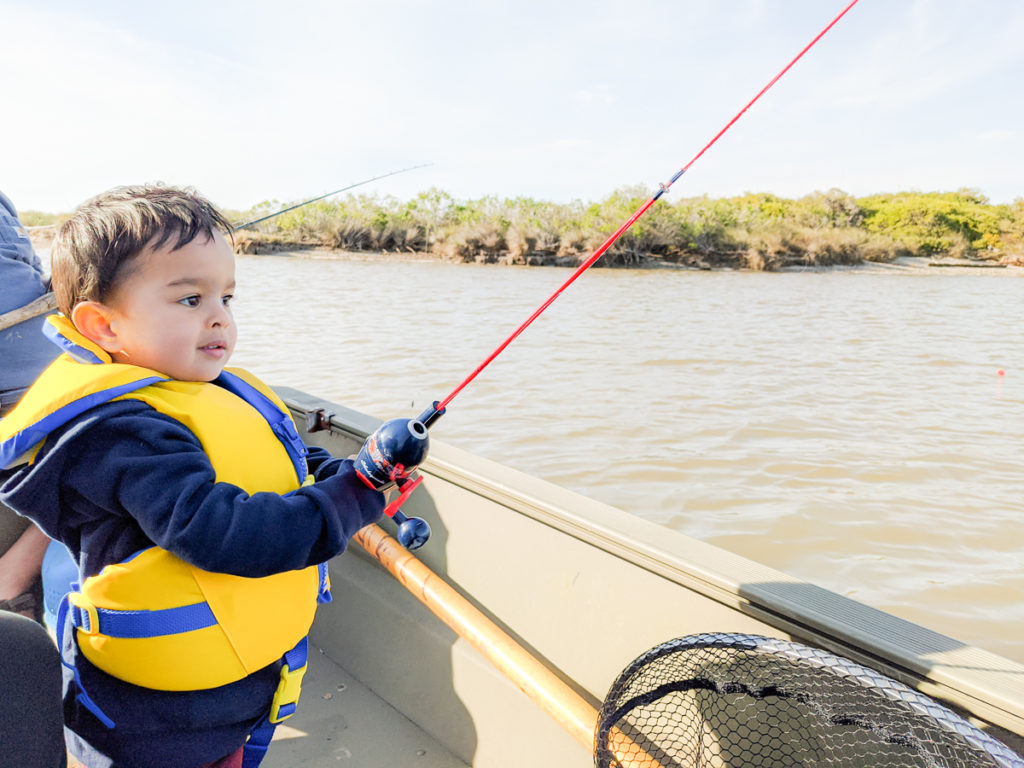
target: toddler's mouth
<point>215,348</point>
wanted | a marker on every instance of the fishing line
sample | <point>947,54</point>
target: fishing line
<point>47,302</point>
<point>321,197</point>
<point>433,413</point>
<point>254,222</point>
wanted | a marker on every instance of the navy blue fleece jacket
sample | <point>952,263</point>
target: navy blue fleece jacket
<point>124,477</point>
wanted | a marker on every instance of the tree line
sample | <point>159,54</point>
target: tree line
<point>753,231</point>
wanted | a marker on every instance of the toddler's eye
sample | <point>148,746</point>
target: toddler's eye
<point>189,301</point>
<point>226,300</point>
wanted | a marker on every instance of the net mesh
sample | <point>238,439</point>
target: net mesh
<point>745,701</point>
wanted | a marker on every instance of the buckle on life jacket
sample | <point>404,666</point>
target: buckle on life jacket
<point>323,594</point>
<point>85,617</point>
<point>287,695</point>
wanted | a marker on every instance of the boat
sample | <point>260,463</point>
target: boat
<point>581,589</point>
<point>495,644</point>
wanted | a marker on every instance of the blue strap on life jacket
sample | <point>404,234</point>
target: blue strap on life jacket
<point>169,621</point>
<point>12,451</point>
<point>281,423</point>
<point>82,697</point>
<point>282,707</point>
<point>286,697</point>
<point>76,350</point>
<point>138,624</point>
<point>165,621</point>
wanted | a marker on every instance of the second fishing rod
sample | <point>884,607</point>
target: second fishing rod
<point>390,456</point>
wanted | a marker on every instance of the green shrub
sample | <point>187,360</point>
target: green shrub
<point>754,231</point>
<point>959,223</point>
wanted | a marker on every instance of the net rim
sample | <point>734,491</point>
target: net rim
<point>865,676</point>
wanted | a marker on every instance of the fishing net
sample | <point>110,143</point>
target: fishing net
<point>740,701</point>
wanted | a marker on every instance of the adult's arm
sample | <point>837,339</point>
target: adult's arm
<point>41,306</point>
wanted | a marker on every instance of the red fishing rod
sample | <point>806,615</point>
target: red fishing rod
<point>393,452</point>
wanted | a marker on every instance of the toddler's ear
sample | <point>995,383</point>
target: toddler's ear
<point>92,319</point>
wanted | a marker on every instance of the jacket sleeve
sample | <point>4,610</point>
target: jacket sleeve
<point>14,242</point>
<point>133,466</point>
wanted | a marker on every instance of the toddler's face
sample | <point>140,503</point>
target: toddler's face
<point>171,313</point>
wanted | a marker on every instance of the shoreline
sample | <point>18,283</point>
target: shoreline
<point>248,246</point>
<point>901,264</point>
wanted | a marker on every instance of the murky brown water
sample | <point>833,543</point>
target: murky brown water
<point>849,428</point>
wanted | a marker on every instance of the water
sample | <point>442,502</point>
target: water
<point>847,427</point>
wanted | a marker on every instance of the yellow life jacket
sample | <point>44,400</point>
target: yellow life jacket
<point>155,620</point>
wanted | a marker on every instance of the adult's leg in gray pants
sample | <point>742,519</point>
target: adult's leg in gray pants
<point>31,719</point>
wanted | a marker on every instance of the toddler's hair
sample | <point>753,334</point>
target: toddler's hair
<point>93,251</point>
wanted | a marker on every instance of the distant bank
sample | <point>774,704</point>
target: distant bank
<point>753,231</point>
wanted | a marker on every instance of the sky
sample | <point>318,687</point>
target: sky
<point>255,101</point>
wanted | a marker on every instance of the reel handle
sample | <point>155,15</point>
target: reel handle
<point>413,532</point>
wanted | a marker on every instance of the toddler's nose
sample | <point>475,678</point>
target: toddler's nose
<point>220,317</point>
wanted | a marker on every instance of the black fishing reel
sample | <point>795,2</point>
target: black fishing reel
<point>387,460</point>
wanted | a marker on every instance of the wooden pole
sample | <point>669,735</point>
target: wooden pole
<point>41,306</point>
<point>547,690</point>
